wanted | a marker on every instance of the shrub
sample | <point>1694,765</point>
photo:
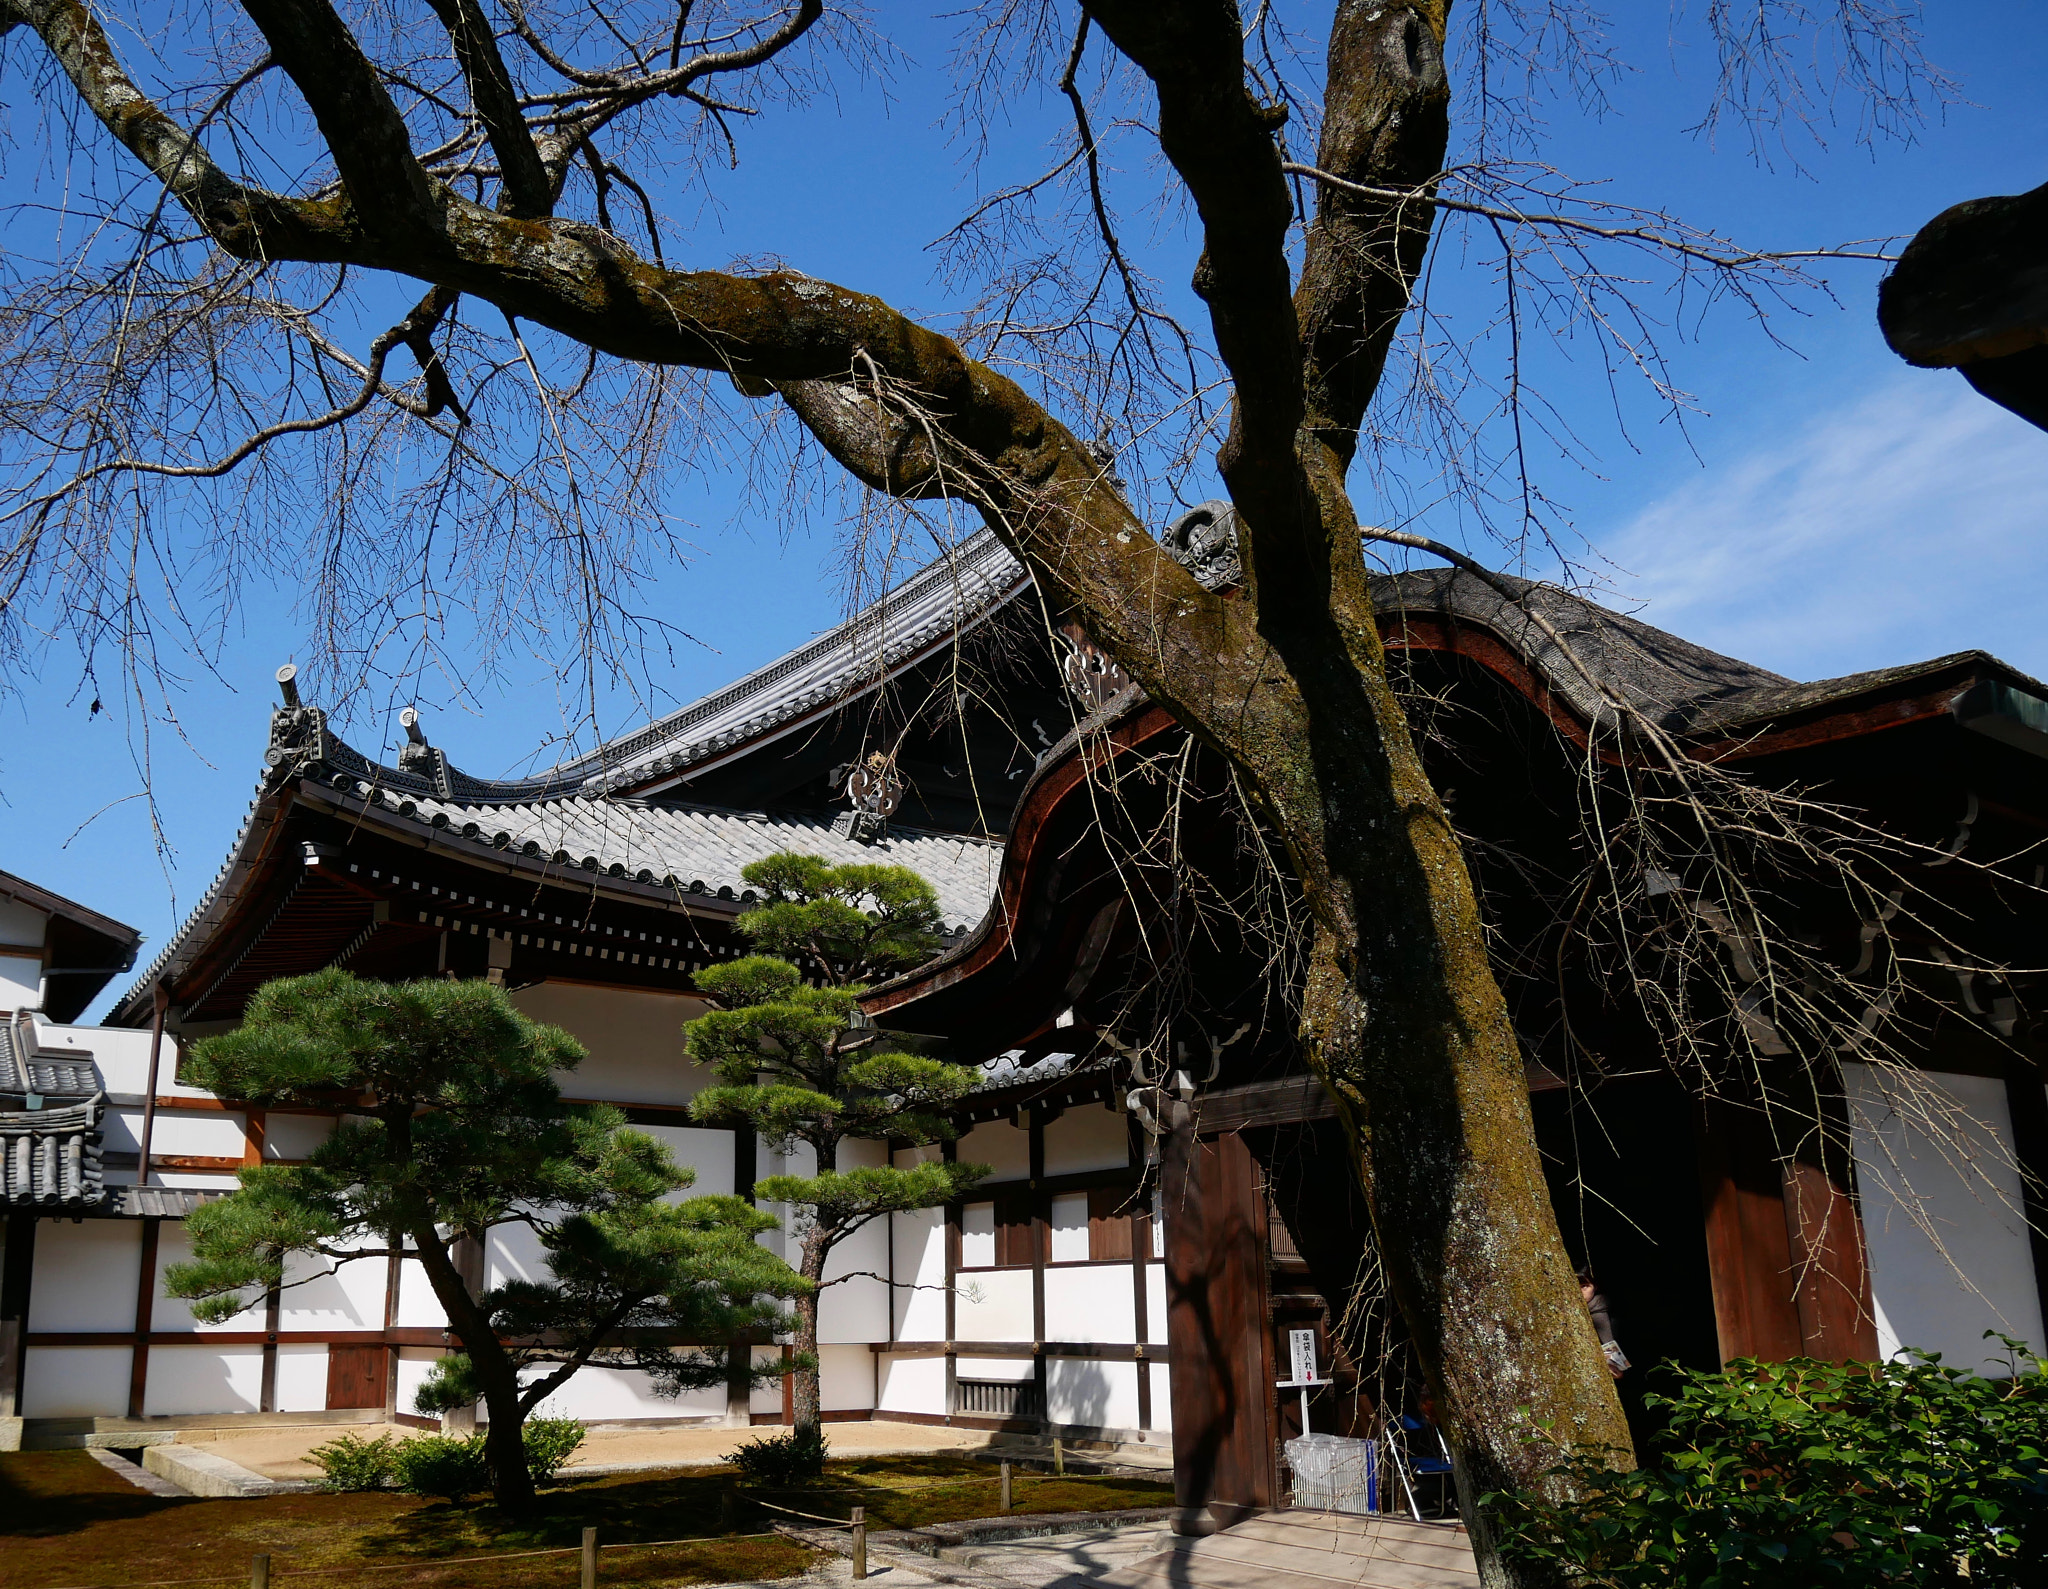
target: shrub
<point>550,1442</point>
<point>350,1462</point>
<point>442,1465</point>
<point>782,1459</point>
<point>1786,1475</point>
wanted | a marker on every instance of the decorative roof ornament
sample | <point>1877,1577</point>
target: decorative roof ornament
<point>1093,675</point>
<point>298,733</point>
<point>1203,540</point>
<point>421,759</point>
<point>875,790</point>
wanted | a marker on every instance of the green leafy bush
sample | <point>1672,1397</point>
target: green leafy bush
<point>1791,1475</point>
<point>441,1465</point>
<point>351,1462</point>
<point>782,1459</point>
<point>550,1442</point>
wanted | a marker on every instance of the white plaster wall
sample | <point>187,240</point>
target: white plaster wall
<point>302,1377</point>
<point>122,1055</point>
<point>598,1395</point>
<point>86,1276</point>
<point>635,1039</point>
<point>418,1307</point>
<point>168,1313</point>
<point>1940,1193</point>
<point>211,1135</point>
<point>1162,1396</point>
<point>21,982</point>
<point>184,1180</point>
<point>513,1252</point>
<point>414,1363</point>
<point>188,1379</point>
<point>977,1235</point>
<point>912,1384</point>
<point>767,1395</point>
<point>1001,1146</point>
<point>800,1160</point>
<point>1002,1368</point>
<point>75,1381</point>
<point>22,926</point>
<point>121,1131</point>
<point>295,1136</point>
<point>1089,1391</point>
<point>1069,1218</point>
<point>846,1378</point>
<point>1155,1304</point>
<point>350,1298</point>
<point>1098,1303</point>
<point>858,1309</point>
<point>708,1152</point>
<point>994,1305</point>
<point>920,1239</point>
<point>1087,1137</point>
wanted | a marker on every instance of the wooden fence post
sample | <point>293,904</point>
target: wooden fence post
<point>259,1572</point>
<point>1006,1487</point>
<point>728,1509</point>
<point>860,1542</point>
<point>590,1558</point>
<point>1059,1457</point>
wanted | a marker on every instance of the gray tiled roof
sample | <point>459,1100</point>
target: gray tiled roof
<point>931,607</point>
<point>1683,687</point>
<point>50,1158</point>
<point>560,810</point>
<point>26,1066</point>
<point>1672,681</point>
<point>701,849</point>
<point>155,1202</point>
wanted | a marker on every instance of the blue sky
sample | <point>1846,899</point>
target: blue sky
<point>1825,510</point>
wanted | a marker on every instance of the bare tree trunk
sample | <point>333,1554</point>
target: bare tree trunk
<point>504,1439</point>
<point>805,1398</point>
<point>1402,1017</point>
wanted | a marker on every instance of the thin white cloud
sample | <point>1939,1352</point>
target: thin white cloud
<point>1904,525</point>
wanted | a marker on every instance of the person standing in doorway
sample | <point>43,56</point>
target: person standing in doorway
<point>1603,1324</point>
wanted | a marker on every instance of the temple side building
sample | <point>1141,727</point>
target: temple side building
<point>1172,1192</point>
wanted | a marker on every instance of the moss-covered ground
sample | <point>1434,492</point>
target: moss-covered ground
<point>68,1523</point>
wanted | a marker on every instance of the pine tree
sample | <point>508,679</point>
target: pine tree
<point>452,1124</point>
<point>797,1062</point>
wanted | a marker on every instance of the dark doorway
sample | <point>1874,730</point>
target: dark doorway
<point>1620,1164</point>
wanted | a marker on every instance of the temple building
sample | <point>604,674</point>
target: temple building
<point>1172,1192</point>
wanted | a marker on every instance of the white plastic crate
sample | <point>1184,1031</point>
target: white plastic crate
<point>1333,1474</point>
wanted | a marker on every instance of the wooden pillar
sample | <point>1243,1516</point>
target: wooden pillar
<point>1041,1246</point>
<point>394,1272</point>
<point>1216,1312</point>
<point>162,1005</point>
<point>1824,1237</point>
<point>145,1319</point>
<point>1141,1250</point>
<point>949,1151</point>
<point>1749,1248</point>
<point>467,1255</point>
<point>17,1266</point>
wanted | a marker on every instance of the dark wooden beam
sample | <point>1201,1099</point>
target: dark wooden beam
<point>145,1309</point>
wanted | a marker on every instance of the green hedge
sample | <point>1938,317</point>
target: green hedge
<point>1801,1474</point>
